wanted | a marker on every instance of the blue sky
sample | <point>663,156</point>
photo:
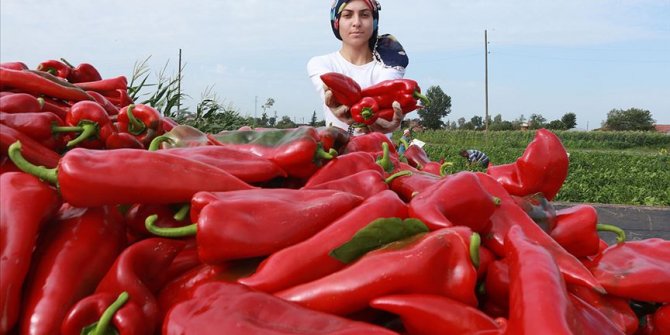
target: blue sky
<point>546,57</point>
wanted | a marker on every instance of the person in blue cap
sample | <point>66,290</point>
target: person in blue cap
<point>365,56</point>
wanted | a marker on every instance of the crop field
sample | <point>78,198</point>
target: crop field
<point>628,168</point>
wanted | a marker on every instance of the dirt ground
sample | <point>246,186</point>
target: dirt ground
<point>639,222</point>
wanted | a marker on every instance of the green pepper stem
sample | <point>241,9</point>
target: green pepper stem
<point>40,100</point>
<point>182,212</point>
<point>322,154</point>
<point>158,140</point>
<point>444,167</point>
<point>497,201</point>
<point>14,153</point>
<point>367,113</point>
<point>102,326</point>
<point>424,99</point>
<point>620,233</point>
<point>385,160</point>
<point>59,129</point>
<point>89,129</point>
<point>390,178</point>
<point>475,242</point>
<point>66,62</point>
<point>150,224</point>
<point>135,126</point>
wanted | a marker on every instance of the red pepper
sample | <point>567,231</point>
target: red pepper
<point>26,204</point>
<point>14,65</point>
<point>168,124</point>
<point>38,82</point>
<point>244,165</point>
<point>426,314</point>
<point>577,230</point>
<point>33,150</point>
<point>104,85</point>
<point>104,102</point>
<point>416,156</point>
<point>39,126</point>
<point>534,274</point>
<point>225,308</point>
<point>182,287</point>
<point>497,285</point>
<point>122,140</point>
<point>55,67</point>
<point>74,254</point>
<point>659,322</point>
<point>105,313</point>
<point>59,108</point>
<point>364,112</point>
<point>614,308</point>
<point>142,121</point>
<point>84,72</point>
<point>297,151</point>
<point>459,199</point>
<point>508,215</point>
<point>543,167</point>
<point>370,142</point>
<point>345,90</point>
<point>243,224</point>
<point>138,213</point>
<point>374,182</point>
<point>94,123</point>
<point>591,320</point>
<point>88,178</point>
<point>333,138</point>
<point>638,270</point>
<point>404,91</point>
<point>409,186</point>
<point>309,260</point>
<point>21,103</point>
<point>343,166</point>
<point>434,263</point>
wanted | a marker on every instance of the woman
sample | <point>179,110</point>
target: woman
<point>363,56</point>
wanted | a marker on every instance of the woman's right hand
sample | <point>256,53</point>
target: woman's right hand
<point>340,111</point>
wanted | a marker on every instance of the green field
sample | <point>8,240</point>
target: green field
<point>630,168</point>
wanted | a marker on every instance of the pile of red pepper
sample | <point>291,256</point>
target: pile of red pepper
<point>369,104</point>
<point>290,231</point>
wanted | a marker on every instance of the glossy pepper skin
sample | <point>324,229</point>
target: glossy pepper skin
<point>374,182</point>
<point>142,121</point>
<point>638,270</point>
<point>20,103</point>
<point>364,112</point>
<point>343,166</point>
<point>39,126</point>
<point>244,165</point>
<point>138,270</point>
<point>508,215</point>
<point>345,90</point>
<point>534,273</point>
<point>309,260</point>
<point>333,137</point>
<point>542,167</point>
<point>614,308</point>
<point>94,122</point>
<point>74,254</point>
<point>33,150</point>
<point>404,91</point>
<point>459,199</point>
<point>297,151</point>
<point>433,263</point>
<point>370,142</point>
<point>127,320</point>
<point>55,67</point>
<point>226,308</point>
<point>83,72</point>
<point>89,178</point>
<point>416,156</point>
<point>181,288</point>
<point>104,85</point>
<point>409,186</point>
<point>426,314</point>
<point>38,82</point>
<point>243,224</point>
<point>20,224</point>
<point>577,230</point>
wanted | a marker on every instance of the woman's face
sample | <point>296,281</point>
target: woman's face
<point>356,23</point>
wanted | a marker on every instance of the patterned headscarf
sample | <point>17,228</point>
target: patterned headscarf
<point>386,48</point>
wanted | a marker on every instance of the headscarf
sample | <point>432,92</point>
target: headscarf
<point>385,48</point>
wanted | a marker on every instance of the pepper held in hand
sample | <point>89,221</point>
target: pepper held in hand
<point>365,112</point>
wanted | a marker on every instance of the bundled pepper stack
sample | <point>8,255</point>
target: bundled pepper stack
<point>302,231</point>
<point>369,104</point>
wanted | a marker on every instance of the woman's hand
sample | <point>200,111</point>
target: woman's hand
<point>384,126</point>
<point>340,111</point>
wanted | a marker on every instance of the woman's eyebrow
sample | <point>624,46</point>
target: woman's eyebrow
<point>349,11</point>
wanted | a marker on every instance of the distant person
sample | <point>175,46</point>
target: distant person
<point>475,157</point>
<point>363,56</point>
<point>404,141</point>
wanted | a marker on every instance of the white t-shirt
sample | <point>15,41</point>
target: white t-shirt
<point>365,75</point>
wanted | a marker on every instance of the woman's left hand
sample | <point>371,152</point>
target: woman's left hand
<point>384,126</point>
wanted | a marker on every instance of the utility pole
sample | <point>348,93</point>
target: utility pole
<point>179,85</point>
<point>255,109</point>
<point>486,81</point>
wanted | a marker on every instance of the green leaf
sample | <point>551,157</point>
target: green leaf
<point>377,234</point>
